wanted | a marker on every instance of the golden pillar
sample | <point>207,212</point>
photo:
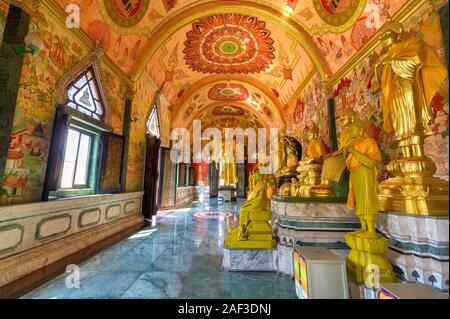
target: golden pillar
<point>410,74</point>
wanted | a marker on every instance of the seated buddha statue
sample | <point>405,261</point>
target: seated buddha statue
<point>292,154</point>
<point>254,230</point>
<point>310,167</point>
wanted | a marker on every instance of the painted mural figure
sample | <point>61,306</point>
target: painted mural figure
<point>362,156</point>
<point>410,74</point>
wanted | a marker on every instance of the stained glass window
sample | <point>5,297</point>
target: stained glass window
<point>153,123</point>
<point>83,95</point>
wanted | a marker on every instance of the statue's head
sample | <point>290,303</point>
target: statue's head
<point>257,177</point>
<point>313,133</point>
<point>391,33</point>
<point>347,117</point>
<point>356,129</point>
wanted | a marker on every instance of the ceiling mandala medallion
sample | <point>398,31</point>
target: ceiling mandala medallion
<point>336,12</point>
<point>228,110</point>
<point>229,43</point>
<point>126,13</point>
<point>228,92</point>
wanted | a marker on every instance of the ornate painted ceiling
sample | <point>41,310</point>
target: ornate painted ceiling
<point>267,50</point>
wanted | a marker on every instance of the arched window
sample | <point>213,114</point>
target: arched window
<point>153,123</point>
<point>83,95</point>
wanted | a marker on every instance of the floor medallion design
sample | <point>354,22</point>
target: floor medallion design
<point>229,43</point>
<point>213,215</point>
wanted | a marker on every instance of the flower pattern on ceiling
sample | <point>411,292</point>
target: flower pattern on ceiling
<point>229,43</point>
<point>228,110</point>
<point>228,92</point>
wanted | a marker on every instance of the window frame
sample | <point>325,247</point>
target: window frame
<point>90,70</point>
<point>154,113</point>
<point>89,159</point>
<point>93,170</point>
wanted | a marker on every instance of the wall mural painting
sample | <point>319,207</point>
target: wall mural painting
<point>36,103</point>
<point>338,48</point>
<point>309,108</point>
<point>359,90</point>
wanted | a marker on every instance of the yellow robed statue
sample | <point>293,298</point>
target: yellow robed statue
<point>254,230</point>
<point>362,156</point>
<point>410,74</point>
<point>367,247</point>
<point>334,163</point>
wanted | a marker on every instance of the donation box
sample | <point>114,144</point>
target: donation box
<point>319,274</point>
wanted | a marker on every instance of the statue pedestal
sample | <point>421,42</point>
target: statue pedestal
<point>235,259</point>
<point>418,247</point>
<point>366,259</point>
<point>312,221</point>
<point>415,195</point>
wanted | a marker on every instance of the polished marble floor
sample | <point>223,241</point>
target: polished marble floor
<point>181,257</point>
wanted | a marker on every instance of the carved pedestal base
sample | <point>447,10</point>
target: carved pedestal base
<point>415,195</point>
<point>367,258</point>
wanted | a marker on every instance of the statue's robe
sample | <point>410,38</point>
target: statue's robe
<point>363,190</point>
<point>411,74</point>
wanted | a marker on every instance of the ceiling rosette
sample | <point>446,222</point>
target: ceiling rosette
<point>229,43</point>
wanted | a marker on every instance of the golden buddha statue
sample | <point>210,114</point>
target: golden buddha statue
<point>368,248</point>
<point>228,169</point>
<point>254,230</point>
<point>310,167</point>
<point>410,74</point>
<point>292,153</point>
<point>362,156</point>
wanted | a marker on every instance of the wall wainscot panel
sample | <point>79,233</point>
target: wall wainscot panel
<point>113,211</point>
<point>89,217</point>
<point>11,236</point>
<point>53,227</point>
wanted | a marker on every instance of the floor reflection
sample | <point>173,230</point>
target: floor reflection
<point>181,257</point>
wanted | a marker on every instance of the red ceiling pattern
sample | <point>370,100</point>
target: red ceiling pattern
<point>229,43</point>
<point>227,92</point>
<point>228,110</point>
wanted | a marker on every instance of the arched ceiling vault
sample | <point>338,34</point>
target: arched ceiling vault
<point>199,9</point>
<point>250,113</point>
<point>269,47</point>
<point>235,78</point>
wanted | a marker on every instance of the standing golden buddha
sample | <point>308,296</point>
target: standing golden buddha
<point>410,74</point>
<point>367,247</point>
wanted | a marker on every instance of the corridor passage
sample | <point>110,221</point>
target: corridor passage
<point>179,258</point>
